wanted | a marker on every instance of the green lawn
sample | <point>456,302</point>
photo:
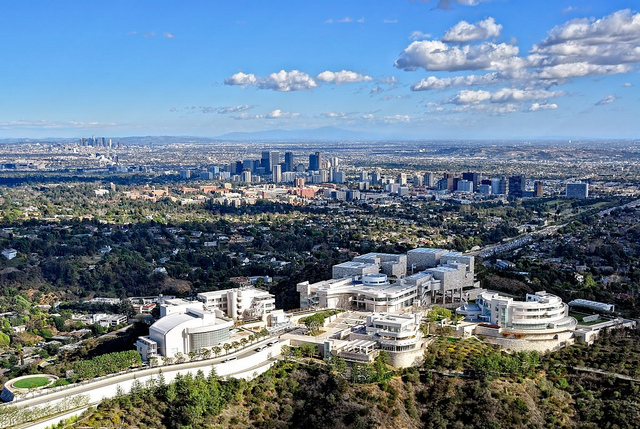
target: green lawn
<point>60,382</point>
<point>579,317</point>
<point>31,382</point>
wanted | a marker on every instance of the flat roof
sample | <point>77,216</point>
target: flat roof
<point>442,269</point>
<point>418,275</point>
<point>455,254</point>
<point>354,264</point>
<point>361,343</point>
<point>374,254</point>
<point>339,285</point>
<point>427,250</point>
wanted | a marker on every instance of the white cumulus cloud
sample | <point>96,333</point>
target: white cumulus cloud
<point>435,55</point>
<point>471,97</point>
<point>542,106</point>
<point>579,69</point>
<point>464,32</point>
<point>295,80</point>
<point>582,47</point>
<point>433,82</point>
<point>285,81</point>
<point>241,79</point>
<point>503,95</point>
<point>343,76</point>
<point>419,35</point>
<point>507,95</point>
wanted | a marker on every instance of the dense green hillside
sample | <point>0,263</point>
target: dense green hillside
<point>554,392</point>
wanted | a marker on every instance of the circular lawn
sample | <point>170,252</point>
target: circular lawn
<point>32,382</point>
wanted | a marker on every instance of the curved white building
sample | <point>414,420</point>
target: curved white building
<point>541,310</point>
<point>186,332</point>
<point>542,317</point>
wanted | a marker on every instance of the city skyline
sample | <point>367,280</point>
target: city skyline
<point>440,69</point>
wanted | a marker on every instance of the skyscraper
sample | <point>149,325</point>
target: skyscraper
<point>516,186</point>
<point>288,161</point>
<point>499,186</point>
<point>577,190</point>
<point>375,177</point>
<point>275,160</point>
<point>429,180</point>
<point>473,177</point>
<point>265,161</point>
<point>450,182</point>
<point>538,189</point>
<point>247,164</point>
<point>277,173</point>
<point>315,161</point>
<point>402,179</point>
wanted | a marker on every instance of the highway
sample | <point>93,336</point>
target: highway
<point>524,239</point>
<point>516,242</point>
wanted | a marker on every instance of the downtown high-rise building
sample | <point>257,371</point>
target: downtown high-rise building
<point>577,190</point>
<point>429,180</point>
<point>517,186</point>
<point>476,178</point>
<point>277,173</point>
<point>499,186</point>
<point>289,161</point>
<point>315,161</point>
<point>538,189</point>
<point>275,160</point>
<point>265,161</point>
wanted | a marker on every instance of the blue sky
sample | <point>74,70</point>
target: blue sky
<point>439,69</point>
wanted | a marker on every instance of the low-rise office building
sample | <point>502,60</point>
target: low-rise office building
<point>177,306</point>
<point>244,302</point>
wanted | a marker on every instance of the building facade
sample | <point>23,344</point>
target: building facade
<point>377,282</point>
<point>191,331</point>
<point>243,302</point>
<point>540,322</point>
<point>577,190</point>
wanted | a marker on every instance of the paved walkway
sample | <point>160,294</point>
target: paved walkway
<point>603,372</point>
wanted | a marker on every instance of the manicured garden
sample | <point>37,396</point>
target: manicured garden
<point>32,382</point>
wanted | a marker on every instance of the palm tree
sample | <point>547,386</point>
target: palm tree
<point>252,338</point>
<point>235,345</point>
<point>179,357</point>
<point>216,350</point>
<point>244,342</point>
<point>226,347</point>
<point>192,355</point>
<point>206,353</point>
